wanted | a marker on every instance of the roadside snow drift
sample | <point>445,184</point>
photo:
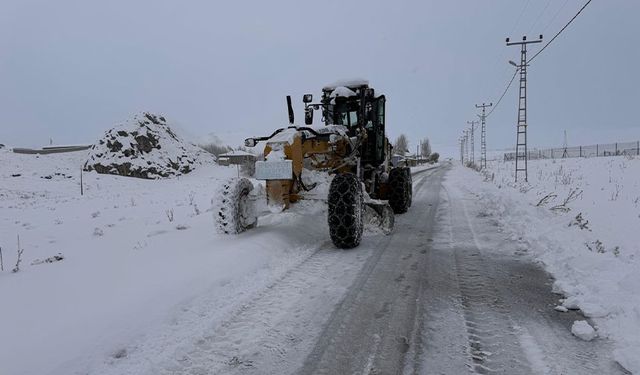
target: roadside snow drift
<point>144,147</point>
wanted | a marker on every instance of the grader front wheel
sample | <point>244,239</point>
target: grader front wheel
<point>346,205</point>
<point>234,208</point>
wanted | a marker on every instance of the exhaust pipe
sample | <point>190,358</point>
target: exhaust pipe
<point>290,109</point>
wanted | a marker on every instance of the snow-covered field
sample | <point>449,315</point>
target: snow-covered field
<point>581,219</point>
<point>141,262</point>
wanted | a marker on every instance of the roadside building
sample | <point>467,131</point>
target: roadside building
<point>236,157</point>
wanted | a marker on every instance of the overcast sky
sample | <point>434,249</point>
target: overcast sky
<point>71,69</point>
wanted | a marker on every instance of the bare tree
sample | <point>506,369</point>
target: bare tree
<point>425,148</point>
<point>401,145</point>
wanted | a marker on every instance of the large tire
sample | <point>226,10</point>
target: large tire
<point>346,205</point>
<point>234,210</point>
<point>401,190</point>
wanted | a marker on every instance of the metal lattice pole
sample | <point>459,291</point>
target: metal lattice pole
<point>483,135</point>
<point>521,136</point>
<point>466,145</point>
<point>473,153</point>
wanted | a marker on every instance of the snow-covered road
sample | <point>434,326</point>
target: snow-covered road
<point>446,293</point>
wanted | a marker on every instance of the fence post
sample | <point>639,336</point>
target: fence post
<point>580,151</point>
<point>638,147</point>
<point>616,148</point>
<point>552,154</point>
<point>597,151</point>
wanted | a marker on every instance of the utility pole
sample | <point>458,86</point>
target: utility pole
<point>466,145</point>
<point>565,146</point>
<point>461,140</point>
<point>473,153</point>
<point>521,136</point>
<point>483,135</point>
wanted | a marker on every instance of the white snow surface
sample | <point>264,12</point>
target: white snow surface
<point>591,245</point>
<point>583,330</point>
<point>142,264</point>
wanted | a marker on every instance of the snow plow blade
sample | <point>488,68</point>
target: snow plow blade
<point>379,214</point>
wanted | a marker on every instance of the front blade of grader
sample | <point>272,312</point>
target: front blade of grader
<point>379,215</point>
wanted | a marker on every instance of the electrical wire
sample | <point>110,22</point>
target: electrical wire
<point>555,16</point>
<point>503,93</point>
<point>559,32</point>
<point>540,16</point>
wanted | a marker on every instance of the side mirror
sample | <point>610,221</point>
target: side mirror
<point>307,98</point>
<point>308,116</point>
<point>250,142</point>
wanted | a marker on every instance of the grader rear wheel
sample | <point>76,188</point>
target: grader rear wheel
<point>401,194</point>
<point>346,205</point>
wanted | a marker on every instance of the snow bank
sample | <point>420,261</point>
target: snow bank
<point>580,218</point>
<point>145,147</point>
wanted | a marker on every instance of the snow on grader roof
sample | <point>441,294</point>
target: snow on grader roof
<point>349,83</point>
<point>145,147</point>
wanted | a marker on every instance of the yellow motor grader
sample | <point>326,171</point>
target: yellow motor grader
<point>351,145</point>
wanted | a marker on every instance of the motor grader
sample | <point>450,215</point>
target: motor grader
<point>352,146</point>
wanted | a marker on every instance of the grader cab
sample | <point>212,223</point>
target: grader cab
<point>351,145</point>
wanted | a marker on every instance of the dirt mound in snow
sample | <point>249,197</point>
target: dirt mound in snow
<point>145,147</point>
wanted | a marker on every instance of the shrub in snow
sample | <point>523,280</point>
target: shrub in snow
<point>169,214</point>
<point>583,330</point>
<point>144,147</point>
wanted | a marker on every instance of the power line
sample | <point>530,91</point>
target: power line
<point>540,16</point>
<point>503,93</point>
<point>555,16</point>
<point>506,89</point>
<point>560,32</point>
<point>520,16</point>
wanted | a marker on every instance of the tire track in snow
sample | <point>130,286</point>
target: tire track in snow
<point>372,331</point>
<point>507,303</point>
<point>493,341</point>
<point>271,333</point>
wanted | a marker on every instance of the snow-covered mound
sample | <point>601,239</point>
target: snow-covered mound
<point>145,147</point>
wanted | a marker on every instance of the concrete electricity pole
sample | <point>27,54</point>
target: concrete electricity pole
<point>483,136</point>
<point>473,154</point>
<point>521,136</point>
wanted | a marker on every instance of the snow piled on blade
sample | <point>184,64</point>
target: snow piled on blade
<point>145,147</point>
<point>580,218</point>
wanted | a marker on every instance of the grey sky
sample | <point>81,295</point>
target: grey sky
<point>71,69</point>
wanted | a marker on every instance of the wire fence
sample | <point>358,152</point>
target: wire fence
<point>608,149</point>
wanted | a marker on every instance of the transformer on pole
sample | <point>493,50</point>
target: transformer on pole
<point>521,136</point>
